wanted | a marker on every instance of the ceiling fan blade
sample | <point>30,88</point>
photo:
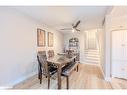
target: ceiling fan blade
<point>77,29</point>
<point>76,24</point>
<point>66,29</point>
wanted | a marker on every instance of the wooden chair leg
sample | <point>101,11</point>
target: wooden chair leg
<point>48,82</point>
<point>39,74</point>
<point>40,77</point>
<point>77,68</point>
<point>67,82</point>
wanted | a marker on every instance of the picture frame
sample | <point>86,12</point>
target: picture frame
<point>50,39</point>
<point>40,37</point>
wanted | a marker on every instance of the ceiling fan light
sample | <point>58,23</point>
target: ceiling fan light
<point>73,30</point>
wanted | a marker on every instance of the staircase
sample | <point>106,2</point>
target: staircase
<point>92,56</point>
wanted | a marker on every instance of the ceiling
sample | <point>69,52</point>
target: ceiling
<point>64,16</point>
<point>119,11</point>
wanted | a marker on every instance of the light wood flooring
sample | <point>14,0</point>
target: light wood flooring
<point>118,83</point>
<point>88,77</point>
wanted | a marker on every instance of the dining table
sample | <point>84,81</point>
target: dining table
<point>60,61</point>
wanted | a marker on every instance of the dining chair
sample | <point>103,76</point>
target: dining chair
<point>44,68</point>
<point>68,69</point>
<point>51,53</point>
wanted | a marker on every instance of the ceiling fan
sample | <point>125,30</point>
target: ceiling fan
<point>74,27</point>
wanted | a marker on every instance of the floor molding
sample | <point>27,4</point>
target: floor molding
<point>102,71</point>
<point>92,64</point>
<point>5,87</point>
<point>108,79</point>
<point>22,79</point>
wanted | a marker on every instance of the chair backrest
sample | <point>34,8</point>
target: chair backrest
<point>50,53</point>
<point>42,60</point>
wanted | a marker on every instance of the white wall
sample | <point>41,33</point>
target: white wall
<point>101,47</point>
<point>115,20</point>
<point>18,47</point>
<point>118,11</point>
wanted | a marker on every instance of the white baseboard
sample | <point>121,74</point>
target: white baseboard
<point>108,79</point>
<point>5,87</point>
<point>91,64</point>
<point>102,70</point>
<point>12,84</point>
<point>82,61</point>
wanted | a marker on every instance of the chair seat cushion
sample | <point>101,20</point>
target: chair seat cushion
<point>66,70</point>
<point>52,70</point>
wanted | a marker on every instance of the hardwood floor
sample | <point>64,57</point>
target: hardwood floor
<point>118,83</point>
<point>88,77</point>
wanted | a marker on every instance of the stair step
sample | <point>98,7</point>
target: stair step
<point>92,53</point>
<point>88,60</point>
<point>93,62</point>
<point>93,58</point>
<point>91,50</point>
<point>97,56</point>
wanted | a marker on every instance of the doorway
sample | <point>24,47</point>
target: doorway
<point>91,40</point>
<point>92,54</point>
<point>119,54</point>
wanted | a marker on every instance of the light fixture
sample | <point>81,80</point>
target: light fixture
<point>73,30</point>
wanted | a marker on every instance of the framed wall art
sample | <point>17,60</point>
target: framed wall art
<point>40,37</point>
<point>50,39</point>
